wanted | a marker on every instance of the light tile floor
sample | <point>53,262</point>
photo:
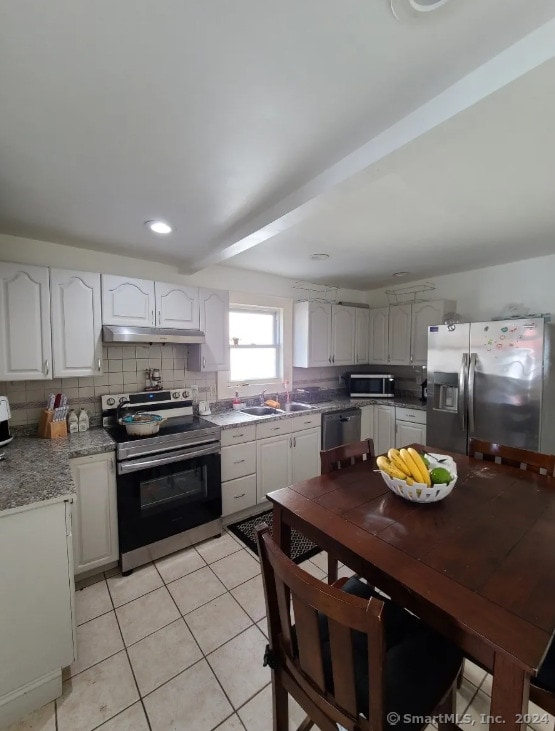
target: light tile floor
<point>178,646</point>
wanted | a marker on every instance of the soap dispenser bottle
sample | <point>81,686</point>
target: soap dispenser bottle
<point>83,420</point>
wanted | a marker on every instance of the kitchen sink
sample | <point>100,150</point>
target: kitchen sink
<point>261,411</point>
<point>296,406</point>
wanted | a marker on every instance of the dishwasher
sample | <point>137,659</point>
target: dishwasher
<point>340,427</point>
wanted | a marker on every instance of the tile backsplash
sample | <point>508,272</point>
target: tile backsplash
<point>123,370</point>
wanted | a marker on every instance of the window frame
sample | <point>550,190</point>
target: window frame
<point>276,344</point>
<point>284,306</point>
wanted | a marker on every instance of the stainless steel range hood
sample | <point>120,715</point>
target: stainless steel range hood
<point>122,334</point>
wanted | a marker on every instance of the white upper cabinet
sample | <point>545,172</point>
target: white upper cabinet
<point>212,355</point>
<point>343,335</point>
<point>425,314</point>
<point>76,323</point>
<point>362,332</point>
<point>378,351</point>
<point>128,301</point>
<point>323,334</point>
<point>25,342</point>
<point>177,306</point>
<point>399,334</point>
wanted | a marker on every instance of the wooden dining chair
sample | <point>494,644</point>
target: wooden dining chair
<point>523,459</point>
<point>542,687</point>
<point>336,459</point>
<point>345,455</point>
<point>351,658</point>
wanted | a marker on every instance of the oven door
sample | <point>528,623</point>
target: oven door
<point>168,493</point>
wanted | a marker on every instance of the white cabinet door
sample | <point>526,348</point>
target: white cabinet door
<point>399,334</point>
<point>76,323</point>
<point>128,301</point>
<point>407,433</point>
<point>176,306</point>
<point>319,334</point>
<point>362,333</point>
<point>424,314</point>
<point>343,335</point>
<point>378,335</point>
<point>36,600</point>
<point>384,428</point>
<point>25,337</point>
<point>214,322</point>
<point>305,454</point>
<point>367,422</point>
<point>95,525</point>
<point>273,465</point>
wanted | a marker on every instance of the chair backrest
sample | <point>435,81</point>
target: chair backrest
<point>345,455</point>
<point>297,650</point>
<point>524,459</point>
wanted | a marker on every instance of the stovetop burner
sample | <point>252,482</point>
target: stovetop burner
<point>179,425</point>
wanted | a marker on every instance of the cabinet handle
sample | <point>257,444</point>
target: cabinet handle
<point>236,436</point>
<point>159,316</point>
<point>329,359</point>
<point>111,465</point>
<point>46,367</point>
<point>236,497</point>
<point>152,320</point>
<point>308,422</point>
<point>333,359</point>
<point>238,461</point>
<point>294,441</point>
<point>411,357</point>
<point>290,442</point>
<point>99,365</point>
<point>203,362</point>
<point>275,428</point>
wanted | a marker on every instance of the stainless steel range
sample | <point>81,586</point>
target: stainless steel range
<point>168,484</point>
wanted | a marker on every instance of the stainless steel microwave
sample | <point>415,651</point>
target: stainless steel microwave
<point>371,385</point>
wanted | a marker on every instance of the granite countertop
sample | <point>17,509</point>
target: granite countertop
<point>37,470</point>
<point>229,419</point>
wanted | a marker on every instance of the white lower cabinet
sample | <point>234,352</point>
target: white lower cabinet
<point>367,422</point>
<point>273,463</point>
<point>37,631</point>
<point>95,529</point>
<point>305,455</point>
<point>384,428</point>
<point>238,494</point>
<point>410,427</point>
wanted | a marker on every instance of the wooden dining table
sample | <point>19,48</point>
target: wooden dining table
<point>479,566</point>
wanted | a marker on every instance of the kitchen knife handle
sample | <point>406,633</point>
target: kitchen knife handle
<point>471,376</point>
<point>461,404</point>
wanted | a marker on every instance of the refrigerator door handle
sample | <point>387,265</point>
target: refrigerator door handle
<point>471,375</point>
<point>462,390</point>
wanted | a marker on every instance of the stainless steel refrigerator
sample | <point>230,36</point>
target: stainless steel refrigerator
<point>492,381</point>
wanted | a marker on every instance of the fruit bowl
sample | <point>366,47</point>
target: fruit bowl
<point>419,492</point>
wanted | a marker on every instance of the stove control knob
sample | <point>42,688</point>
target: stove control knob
<point>122,399</point>
<point>185,394</point>
<point>175,394</point>
<point>111,401</point>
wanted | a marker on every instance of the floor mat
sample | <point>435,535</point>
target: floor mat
<point>301,547</point>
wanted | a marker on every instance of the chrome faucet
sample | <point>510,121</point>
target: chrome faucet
<point>262,398</point>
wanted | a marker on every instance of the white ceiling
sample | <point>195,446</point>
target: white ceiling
<point>207,114</point>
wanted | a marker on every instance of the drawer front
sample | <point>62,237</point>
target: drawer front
<point>238,460</point>
<point>237,435</point>
<point>414,415</point>
<point>273,428</point>
<point>238,494</point>
<point>306,421</point>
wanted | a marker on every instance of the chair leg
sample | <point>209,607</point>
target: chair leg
<point>306,725</point>
<point>280,706</point>
<point>446,711</point>
<point>332,569</point>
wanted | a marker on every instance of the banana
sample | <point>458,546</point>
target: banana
<point>414,468</point>
<point>417,457</point>
<point>386,466</point>
<point>395,457</point>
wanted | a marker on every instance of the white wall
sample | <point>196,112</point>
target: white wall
<point>44,253</point>
<point>483,293</point>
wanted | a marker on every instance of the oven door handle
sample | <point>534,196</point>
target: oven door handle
<point>125,468</point>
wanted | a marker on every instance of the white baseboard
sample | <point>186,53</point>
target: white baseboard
<point>30,697</point>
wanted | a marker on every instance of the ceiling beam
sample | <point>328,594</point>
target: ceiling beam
<point>530,52</point>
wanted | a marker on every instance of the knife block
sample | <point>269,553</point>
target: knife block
<point>49,429</point>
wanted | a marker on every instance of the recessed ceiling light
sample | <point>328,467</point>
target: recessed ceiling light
<point>319,257</point>
<point>159,227</point>
<point>400,274</point>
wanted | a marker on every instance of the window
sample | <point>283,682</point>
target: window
<point>255,344</point>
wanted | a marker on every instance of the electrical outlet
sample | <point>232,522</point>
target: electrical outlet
<point>213,391</point>
<point>194,393</point>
